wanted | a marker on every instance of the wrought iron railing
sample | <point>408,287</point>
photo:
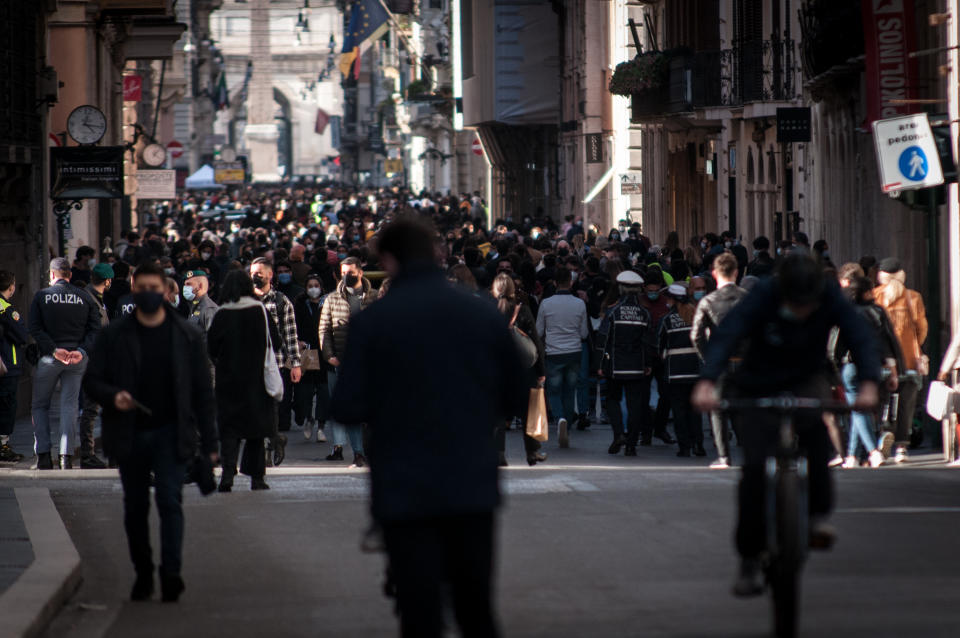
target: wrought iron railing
<point>759,71</point>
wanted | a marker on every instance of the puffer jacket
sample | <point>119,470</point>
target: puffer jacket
<point>710,312</point>
<point>335,319</point>
<point>908,316</point>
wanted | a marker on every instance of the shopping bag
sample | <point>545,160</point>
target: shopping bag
<point>309,359</point>
<point>939,400</point>
<point>537,415</point>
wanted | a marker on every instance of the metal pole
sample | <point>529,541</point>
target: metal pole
<point>933,277</point>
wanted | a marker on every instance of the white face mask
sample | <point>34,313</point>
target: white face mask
<point>205,256</point>
<point>314,293</point>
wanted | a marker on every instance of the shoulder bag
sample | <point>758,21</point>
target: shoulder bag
<point>272,381</point>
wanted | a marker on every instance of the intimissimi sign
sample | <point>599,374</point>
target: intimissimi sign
<point>888,30</point>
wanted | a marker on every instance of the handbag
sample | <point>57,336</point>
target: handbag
<point>940,400</point>
<point>309,359</point>
<point>524,344</point>
<point>537,415</point>
<point>272,381</point>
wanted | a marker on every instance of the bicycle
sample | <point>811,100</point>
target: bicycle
<point>786,474</point>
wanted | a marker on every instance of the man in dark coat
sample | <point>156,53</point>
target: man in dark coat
<point>149,371</point>
<point>433,463</point>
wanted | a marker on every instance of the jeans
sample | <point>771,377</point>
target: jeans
<point>342,432</point>
<point>632,390</point>
<point>563,375</point>
<point>312,384</point>
<point>861,423</point>
<point>427,554</point>
<point>154,450</point>
<point>48,372</point>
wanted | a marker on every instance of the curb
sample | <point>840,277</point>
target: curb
<point>38,594</point>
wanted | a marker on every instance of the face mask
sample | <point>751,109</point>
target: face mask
<point>285,278</point>
<point>703,245</point>
<point>574,276</point>
<point>205,256</point>
<point>653,296</point>
<point>699,294</point>
<point>351,280</point>
<point>341,256</point>
<point>755,253</point>
<point>93,262</point>
<point>787,315</point>
<point>727,244</point>
<point>314,293</point>
<point>826,254</point>
<point>188,293</point>
<point>614,237</point>
<point>779,251</point>
<point>169,272</point>
<point>563,252</point>
<point>148,301</point>
<point>258,281</point>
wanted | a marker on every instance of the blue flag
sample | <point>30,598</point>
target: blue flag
<point>368,21</point>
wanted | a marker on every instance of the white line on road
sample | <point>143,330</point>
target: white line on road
<point>899,510</point>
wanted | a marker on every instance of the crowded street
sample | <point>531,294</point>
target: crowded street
<point>436,318</point>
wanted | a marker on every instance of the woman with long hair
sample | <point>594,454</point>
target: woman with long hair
<point>504,291</point>
<point>237,345</point>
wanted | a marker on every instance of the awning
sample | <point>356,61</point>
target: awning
<point>203,179</point>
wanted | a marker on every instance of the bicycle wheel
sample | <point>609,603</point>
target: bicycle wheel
<point>791,544</point>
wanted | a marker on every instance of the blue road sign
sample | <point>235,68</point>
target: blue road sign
<point>913,164</point>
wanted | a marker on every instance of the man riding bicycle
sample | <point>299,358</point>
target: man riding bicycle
<point>784,324</point>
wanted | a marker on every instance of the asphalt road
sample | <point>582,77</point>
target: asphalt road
<point>590,545</point>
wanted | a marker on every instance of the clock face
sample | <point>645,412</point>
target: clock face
<point>154,155</point>
<point>87,124</point>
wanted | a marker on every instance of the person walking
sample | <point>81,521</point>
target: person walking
<point>430,414</point>
<point>563,325</point>
<point>313,384</point>
<point>13,339</point>
<point>710,312</point>
<point>353,294</point>
<point>150,373</point>
<point>909,318</point>
<point>625,340</point>
<point>681,369</point>
<point>237,345</point>
<point>101,278</point>
<point>281,312</point>
<point>197,305</point>
<point>64,321</point>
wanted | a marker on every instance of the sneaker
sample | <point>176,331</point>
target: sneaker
<point>308,429</point>
<point>321,437</point>
<point>954,463</point>
<point>750,579</point>
<point>836,461</point>
<point>886,444</point>
<point>563,434</point>
<point>721,463</point>
<point>901,455</point>
<point>7,455</point>
<point>876,458</point>
<point>851,461</point>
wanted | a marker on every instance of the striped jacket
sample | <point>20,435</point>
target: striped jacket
<point>625,339</point>
<point>676,350</point>
<point>335,319</point>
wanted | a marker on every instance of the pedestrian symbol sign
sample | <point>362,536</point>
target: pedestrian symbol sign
<point>906,153</point>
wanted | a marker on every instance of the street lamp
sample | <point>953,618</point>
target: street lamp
<point>303,17</point>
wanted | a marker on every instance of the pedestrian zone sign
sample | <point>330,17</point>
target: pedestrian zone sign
<point>907,153</point>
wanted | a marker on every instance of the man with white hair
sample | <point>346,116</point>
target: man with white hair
<point>625,338</point>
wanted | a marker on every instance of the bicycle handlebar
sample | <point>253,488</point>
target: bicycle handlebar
<point>786,403</point>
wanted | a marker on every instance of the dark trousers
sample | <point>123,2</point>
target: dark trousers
<point>154,450</point>
<point>686,421</point>
<point>909,391</point>
<point>89,411</point>
<point>759,432</point>
<point>286,404</point>
<point>253,463</point>
<point>426,554</point>
<point>662,412</point>
<point>720,424</point>
<point>8,403</point>
<point>634,390</point>
<point>312,384</point>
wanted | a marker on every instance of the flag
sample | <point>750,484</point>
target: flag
<point>323,118</point>
<point>221,96</point>
<point>368,21</point>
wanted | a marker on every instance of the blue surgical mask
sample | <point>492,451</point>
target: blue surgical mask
<point>189,293</point>
<point>699,294</point>
<point>653,296</point>
<point>284,277</point>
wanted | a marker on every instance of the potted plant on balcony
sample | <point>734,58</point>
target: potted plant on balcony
<point>643,73</point>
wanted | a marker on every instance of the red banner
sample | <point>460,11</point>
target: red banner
<point>132,88</point>
<point>888,32</point>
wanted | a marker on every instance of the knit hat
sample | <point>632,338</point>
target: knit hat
<point>890,264</point>
<point>103,271</point>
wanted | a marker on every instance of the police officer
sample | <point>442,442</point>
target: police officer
<point>64,321</point>
<point>197,305</point>
<point>101,278</point>
<point>681,369</point>
<point>626,341</point>
<point>13,337</point>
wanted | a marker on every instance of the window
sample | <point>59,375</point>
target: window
<point>237,25</point>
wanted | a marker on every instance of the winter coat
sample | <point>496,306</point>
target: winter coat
<point>13,338</point>
<point>626,339</point>
<point>710,312</point>
<point>682,364</point>
<point>115,365</point>
<point>908,316</point>
<point>237,345</point>
<point>335,319</point>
